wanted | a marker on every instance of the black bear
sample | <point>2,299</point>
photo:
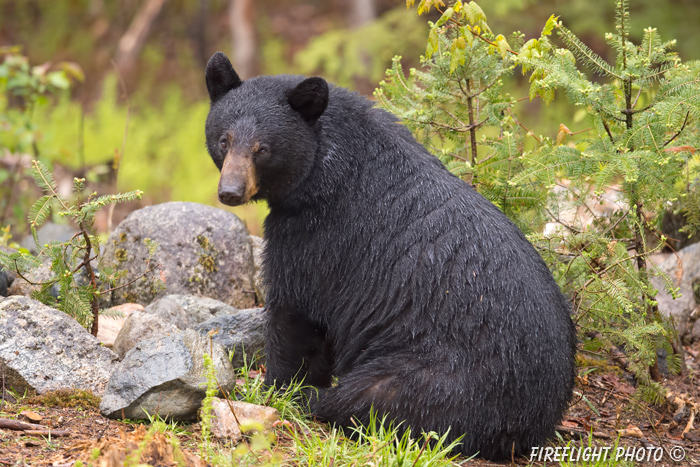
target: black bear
<point>386,271</point>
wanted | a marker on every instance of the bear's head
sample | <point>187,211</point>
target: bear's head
<point>261,133</point>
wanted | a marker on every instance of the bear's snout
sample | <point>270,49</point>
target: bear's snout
<point>238,182</point>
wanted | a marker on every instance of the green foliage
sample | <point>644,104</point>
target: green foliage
<point>637,157</point>
<point>343,55</point>
<point>23,90</point>
<point>457,107</point>
<point>73,263</point>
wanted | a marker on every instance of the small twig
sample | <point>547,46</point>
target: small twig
<point>529,132</point>
<point>685,122</point>
<point>83,264</point>
<point>21,276</point>
<point>18,425</point>
<point>581,131</point>
<point>47,432</point>
<point>148,271</point>
<point>607,129</point>
<point>230,406</point>
<point>691,420</point>
<point>425,445</point>
<point>583,434</point>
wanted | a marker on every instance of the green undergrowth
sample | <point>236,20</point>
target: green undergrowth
<point>301,440</point>
<point>157,147</point>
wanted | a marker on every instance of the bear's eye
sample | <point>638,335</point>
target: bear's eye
<point>262,151</point>
<point>223,143</point>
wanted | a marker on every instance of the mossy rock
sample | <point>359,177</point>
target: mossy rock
<point>201,250</point>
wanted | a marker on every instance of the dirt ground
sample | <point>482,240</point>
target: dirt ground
<point>603,416</point>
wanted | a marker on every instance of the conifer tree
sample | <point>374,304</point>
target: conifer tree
<point>75,274</point>
<point>640,151</point>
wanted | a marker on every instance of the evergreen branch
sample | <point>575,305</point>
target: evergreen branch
<point>568,226</point>
<point>599,274</point>
<point>685,122</point>
<point>594,60</point>
<point>651,76</point>
<point>48,182</point>
<point>43,177</point>
<point>679,103</point>
<point>694,83</point>
<point>80,266</point>
<point>40,210</point>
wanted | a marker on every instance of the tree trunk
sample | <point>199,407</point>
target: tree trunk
<point>132,41</point>
<point>199,33</point>
<point>244,41</point>
<point>362,12</point>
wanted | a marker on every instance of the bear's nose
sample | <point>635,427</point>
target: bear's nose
<point>231,195</point>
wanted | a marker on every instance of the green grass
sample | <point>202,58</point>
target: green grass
<point>302,441</point>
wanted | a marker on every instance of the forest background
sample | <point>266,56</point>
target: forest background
<point>133,117</point>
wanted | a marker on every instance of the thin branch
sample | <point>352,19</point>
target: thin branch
<point>685,122</point>
<point>607,129</point>
<point>148,271</point>
<point>529,132</point>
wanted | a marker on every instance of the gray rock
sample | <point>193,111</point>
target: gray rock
<point>202,250</point>
<point>48,233</point>
<point>170,312</point>
<point>139,326</point>
<point>43,349</point>
<point>201,309</point>
<point>165,376</point>
<point>258,245</point>
<point>242,332</point>
<point>681,308</point>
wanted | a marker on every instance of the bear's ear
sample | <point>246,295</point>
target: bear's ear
<point>309,98</point>
<point>220,76</point>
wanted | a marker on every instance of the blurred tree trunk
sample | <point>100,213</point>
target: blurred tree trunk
<point>199,33</point>
<point>362,12</point>
<point>244,41</point>
<point>133,39</point>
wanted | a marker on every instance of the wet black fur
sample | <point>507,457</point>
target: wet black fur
<point>385,270</point>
